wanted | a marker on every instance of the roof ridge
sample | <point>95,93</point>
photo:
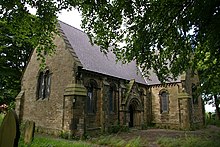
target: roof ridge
<point>71,26</point>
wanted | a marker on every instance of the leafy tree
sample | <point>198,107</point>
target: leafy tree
<point>39,29</point>
<point>167,36</point>
<point>20,32</point>
<point>14,54</point>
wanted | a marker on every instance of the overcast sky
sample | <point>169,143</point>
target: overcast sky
<point>72,18</point>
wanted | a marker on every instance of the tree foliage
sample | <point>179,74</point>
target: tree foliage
<point>20,33</point>
<point>14,54</point>
<point>168,36</point>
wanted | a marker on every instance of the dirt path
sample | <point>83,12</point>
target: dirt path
<point>150,136</point>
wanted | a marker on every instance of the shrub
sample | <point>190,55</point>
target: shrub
<point>64,134</point>
<point>212,121</point>
<point>118,128</point>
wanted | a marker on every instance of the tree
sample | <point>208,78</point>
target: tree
<point>167,36</point>
<point>210,85</point>
<point>163,35</point>
<point>20,33</point>
<point>39,29</point>
<point>14,54</point>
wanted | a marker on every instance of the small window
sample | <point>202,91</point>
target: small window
<point>112,98</point>
<point>43,89</point>
<point>91,97</point>
<point>164,101</point>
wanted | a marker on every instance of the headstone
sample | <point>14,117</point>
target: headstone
<point>9,130</point>
<point>29,132</point>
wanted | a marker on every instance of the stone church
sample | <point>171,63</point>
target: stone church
<point>83,90</point>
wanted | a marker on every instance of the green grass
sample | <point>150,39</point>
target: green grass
<point>135,142</point>
<point>113,141</point>
<point>189,141</point>
<point>53,142</point>
<point>109,140</point>
<point>117,142</point>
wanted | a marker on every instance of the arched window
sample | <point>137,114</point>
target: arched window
<point>164,101</point>
<point>47,84</point>
<point>91,96</point>
<point>40,86</point>
<point>43,86</point>
<point>112,98</point>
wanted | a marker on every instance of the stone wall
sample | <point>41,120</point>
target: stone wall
<point>197,108</point>
<point>48,112</point>
<point>183,113</point>
<point>63,111</point>
<point>147,98</point>
<point>102,119</point>
<point>168,119</point>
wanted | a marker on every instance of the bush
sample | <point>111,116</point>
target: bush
<point>118,128</point>
<point>212,121</point>
<point>64,135</point>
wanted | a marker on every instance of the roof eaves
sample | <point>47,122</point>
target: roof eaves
<point>68,45</point>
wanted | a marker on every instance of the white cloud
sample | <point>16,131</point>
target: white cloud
<point>72,18</point>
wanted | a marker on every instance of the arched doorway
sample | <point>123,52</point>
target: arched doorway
<point>134,110</point>
<point>131,111</point>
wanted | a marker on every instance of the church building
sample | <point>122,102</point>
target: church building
<point>82,90</point>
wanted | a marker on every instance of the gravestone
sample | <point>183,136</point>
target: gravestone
<point>29,132</point>
<point>9,130</point>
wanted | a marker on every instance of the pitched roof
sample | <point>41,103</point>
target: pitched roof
<point>92,59</point>
<point>153,79</point>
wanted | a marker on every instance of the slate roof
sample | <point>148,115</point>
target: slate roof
<point>153,79</point>
<point>92,59</point>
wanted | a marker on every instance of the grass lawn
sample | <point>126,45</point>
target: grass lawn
<point>210,139</point>
<point>110,140</point>
<point>190,141</point>
<point>40,141</point>
<point>114,141</point>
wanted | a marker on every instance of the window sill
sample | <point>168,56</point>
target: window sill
<point>42,99</point>
<point>165,112</point>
